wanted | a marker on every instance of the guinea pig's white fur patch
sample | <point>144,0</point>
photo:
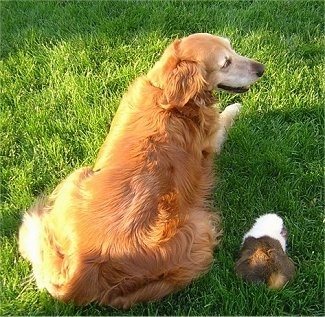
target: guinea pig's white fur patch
<point>268,225</point>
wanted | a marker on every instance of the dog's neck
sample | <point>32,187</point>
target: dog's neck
<point>204,98</point>
<point>189,111</point>
<point>195,105</point>
<point>154,84</point>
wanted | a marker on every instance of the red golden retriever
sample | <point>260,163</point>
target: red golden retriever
<point>139,224</point>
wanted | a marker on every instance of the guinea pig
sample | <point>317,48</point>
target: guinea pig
<point>263,255</point>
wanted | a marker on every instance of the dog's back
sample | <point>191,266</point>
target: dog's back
<point>99,241</point>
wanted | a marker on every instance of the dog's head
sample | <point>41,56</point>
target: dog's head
<point>202,62</point>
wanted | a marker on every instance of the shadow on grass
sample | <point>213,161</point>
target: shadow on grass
<point>121,22</point>
<point>116,24</point>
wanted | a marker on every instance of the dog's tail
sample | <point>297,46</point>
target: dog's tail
<point>30,232</point>
<point>33,231</point>
<point>38,245</point>
<point>42,240</point>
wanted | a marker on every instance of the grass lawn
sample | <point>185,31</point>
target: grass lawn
<point>64,66</point>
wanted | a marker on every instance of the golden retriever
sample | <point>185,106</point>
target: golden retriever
<point>139,224</point>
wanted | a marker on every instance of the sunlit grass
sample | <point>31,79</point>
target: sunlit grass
<point>64,66</point>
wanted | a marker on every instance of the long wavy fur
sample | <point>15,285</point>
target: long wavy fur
<point>138,225</point>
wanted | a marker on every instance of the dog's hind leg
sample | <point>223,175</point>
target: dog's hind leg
<point>150,292</point>
<point>226,120</point>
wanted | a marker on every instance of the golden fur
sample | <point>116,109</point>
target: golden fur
<point>138,225</point>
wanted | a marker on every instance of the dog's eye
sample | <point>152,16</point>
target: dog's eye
<point>227,63</point>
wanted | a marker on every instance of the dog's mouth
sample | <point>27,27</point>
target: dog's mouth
<point>233,89</point>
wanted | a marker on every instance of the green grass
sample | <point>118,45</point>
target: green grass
<point>64,66</point>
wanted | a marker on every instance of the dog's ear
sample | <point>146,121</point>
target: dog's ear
<point>183,83</point>
<point>180,80</point>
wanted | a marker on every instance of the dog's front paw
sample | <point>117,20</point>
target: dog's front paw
<point>233,109</point>
<point>226,120</point>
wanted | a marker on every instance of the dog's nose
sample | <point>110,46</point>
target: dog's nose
<point>260,68</point>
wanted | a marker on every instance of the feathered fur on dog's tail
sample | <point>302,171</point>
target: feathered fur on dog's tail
<point>29,232</point>
<point>39,243</point>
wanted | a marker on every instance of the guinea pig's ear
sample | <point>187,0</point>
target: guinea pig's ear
<point>283,269</point>
<point>243,264</point>
<point>244,268</point>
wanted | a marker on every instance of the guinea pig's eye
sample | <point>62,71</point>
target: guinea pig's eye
<point>227,63</point>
